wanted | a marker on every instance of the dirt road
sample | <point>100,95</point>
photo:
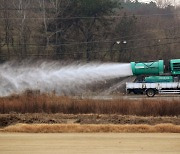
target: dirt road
<point>89,143</point>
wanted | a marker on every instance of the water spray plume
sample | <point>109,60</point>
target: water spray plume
<point>15,77</point>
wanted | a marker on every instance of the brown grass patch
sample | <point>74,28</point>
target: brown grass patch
<point>77,128</point>
<point>58,118</point>
<point>44,103</point>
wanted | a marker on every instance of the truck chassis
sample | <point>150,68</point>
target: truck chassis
<point>151,89</point>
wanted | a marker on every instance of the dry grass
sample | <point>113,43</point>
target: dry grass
<point>44,103</point>
<point>77,128</point>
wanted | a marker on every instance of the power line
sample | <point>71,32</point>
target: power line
<point>85,42</point>
<point>101,51</point>
<point>131,36</point>
<point>114,40</point>
<point>151,45</point>
<point>145,33</point>
<point>108,50</point>
<point>141,47</point>
<point>142,34</point>
<point>86,17</point>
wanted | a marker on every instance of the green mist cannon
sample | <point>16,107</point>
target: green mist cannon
<point>148,68</point>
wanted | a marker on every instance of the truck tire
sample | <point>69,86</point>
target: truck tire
<point>150,92</point>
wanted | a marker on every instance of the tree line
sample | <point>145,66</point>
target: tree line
<point>89,30</point>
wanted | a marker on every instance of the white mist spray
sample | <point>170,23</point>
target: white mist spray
<point>54,76</point>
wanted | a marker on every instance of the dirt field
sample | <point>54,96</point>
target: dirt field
<point>40,118</point>
<point>89,143</point>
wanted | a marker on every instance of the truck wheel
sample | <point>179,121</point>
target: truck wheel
<point>150,92</point>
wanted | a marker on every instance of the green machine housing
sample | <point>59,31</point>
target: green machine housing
<point>147,68</point>
<point>175,66</point>
<point>156,70</point>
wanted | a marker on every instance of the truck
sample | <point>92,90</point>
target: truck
<point>153,77</point>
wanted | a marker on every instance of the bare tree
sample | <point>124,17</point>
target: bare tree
<point>7,26</point>
<point>164,3</point>
<point>23,30</point>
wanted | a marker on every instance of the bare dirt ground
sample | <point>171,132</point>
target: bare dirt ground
<point>126,143</point>
<point>42,118</point>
